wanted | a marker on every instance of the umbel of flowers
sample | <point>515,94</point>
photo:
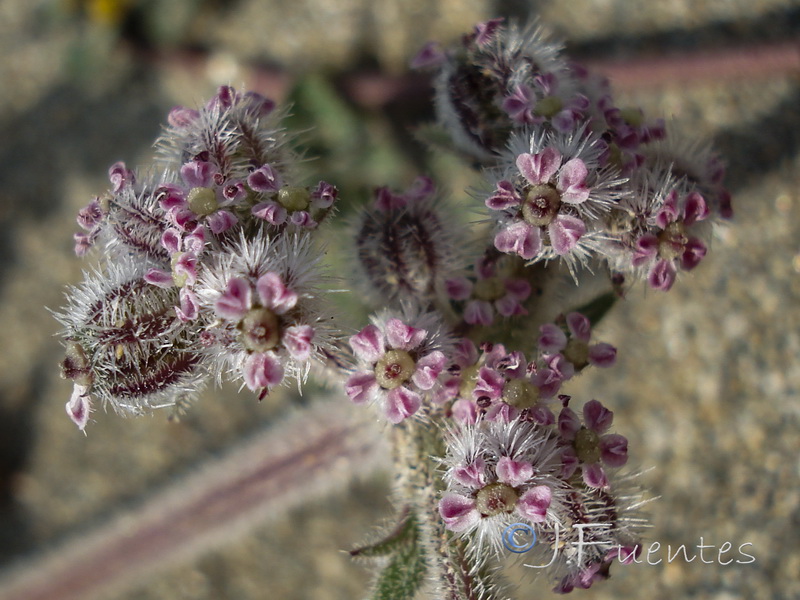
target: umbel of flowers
<point>211,267</point>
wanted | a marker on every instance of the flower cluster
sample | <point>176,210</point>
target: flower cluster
<point>217,246</point>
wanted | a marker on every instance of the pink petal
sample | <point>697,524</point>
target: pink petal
<point>669,210</point>
<point>484,32</point>
<point>403,337</point>
<point>220,221</point>
<point>428,369</point>
<point>401,403</point>
<point>270,211</point>
<point>181,117</point>
<point>197,173</point>
<point>234,303</point>
<point>508,306</point>
<point>505,196</point>
<point>297,340</point>
<point>695,209</point>
<point>693,253</point>
<point>360,387</point>
<point>501,412</point>
<point>458,288</point>
<point>518,289</point>
<point>368,344</point>
<point>539,168</point>
<point>579,326</point>
<point>568,424</point>
<point>185,269</point>
<point>552,338</point>
<point>431,55</point>
<point>473,475</point>
<point>569,463</point>
<point>478,312</point>
<point>534,503</point>
<point>662,275</point>
<point>489,383</point>
<point>614,450</point>
<point>597,417</point>
<point>459,513</point>
<point>324,195</point>
<point>159,277</point>
<point>519,238</point>
<point>196,240</point>
<point>189,309</point>
<point>646,249</point>
<point>594,476</point>
<point>262,370</point>
<point>513,472</point>
<point>120,176</point>
<point>79,406</point>
<point>264,179</point>
<point>232,192</point>
<point>274,294</point>
<point>602,355</point>
<point>171,240</point>
<point>572,181</point>
<point>565,231</point>
<point>302,218</point>
<point>519,105</point>
<point>465,412</point>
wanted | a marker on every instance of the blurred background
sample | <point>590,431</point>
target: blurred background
<point>706,387</point>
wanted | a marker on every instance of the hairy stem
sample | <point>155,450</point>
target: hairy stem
<point>315,451</point>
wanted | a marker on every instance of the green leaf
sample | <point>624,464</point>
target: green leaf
<point>403,577</point>
<point>402,535</point>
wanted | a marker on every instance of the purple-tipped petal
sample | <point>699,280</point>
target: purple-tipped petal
<point>597,417</point>
<point>508,306</point>
<point>519,289</point>
<point>235,301</point>
<point>489,383</point>
<point>552,338</point>
<point>262,370</point>
<point>565,231</point>
<point>79,406</point>
<point>189,308</point>
<point>505,196</point>
<point>579,326</point>
<point>602,355</point>
<point>614,450</point>
<point>519,105</point>
<point>182,117</point>
<point>594,476</point>
<point>264,179</point>
<point>695,209</point>
<point>159,277</point>
<point>513,472</point>
<point>458,288</point>
<point>662,275</point>
<point>185,269</point>
<point>171,240</point>
<point>541,167</point>
<point>297,340</point>
<point>646,249</point>
<point>693,253</point>
<point>431,55</point>
<point>368,344</point>
<point>465,412</point>
<point>478,312</point>
<point>274,294</point>
<point>270,211</point>
<point>401,403</point>
<point>572,181</point>
<point>502,412</point>
<point>473,475</point>
<point>568,424</point>
<point>429,367</point>
<point>120,176</point>
<point>360,387</point>
<point>484,32</point>
<point>519,238</point>
<point>403,337</point>
<point>197,173</point>
<point>534,503</point>
<point>324,195</point>
<point>569,463</point>
<point>459,513</point>
<point>669,211</point>
<point>302,218</point>
<point>220,221</point>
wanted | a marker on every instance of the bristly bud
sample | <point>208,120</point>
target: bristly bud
<point>125,345</point>
<point>406,246</point>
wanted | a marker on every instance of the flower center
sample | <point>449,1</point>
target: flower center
<point>587,445</point>
<point>672,241</point>
<point>294,198</point>
<point>260,330</point>
<point>496,498</point>
<point>541,205</point>
<point>520,393</point>
<point>577,352</point>
<point>202,201</point>
<point>490,289</point>
<point>548,107</point>
<point>394,369</point>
